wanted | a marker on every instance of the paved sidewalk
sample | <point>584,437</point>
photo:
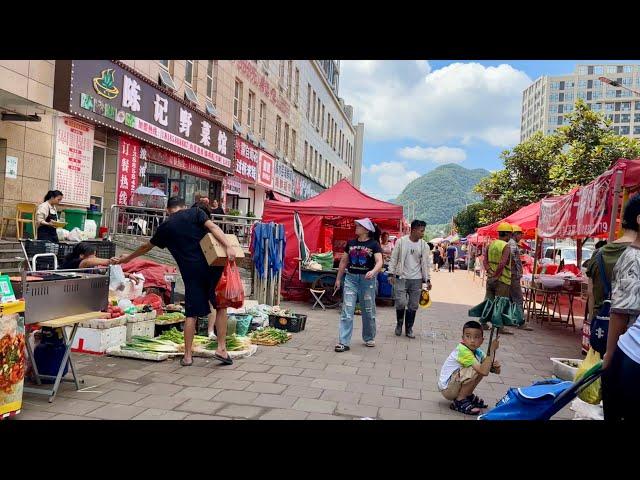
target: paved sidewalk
<point>306,379</point>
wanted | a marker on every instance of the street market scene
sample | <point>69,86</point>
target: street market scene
<point>224,240</point>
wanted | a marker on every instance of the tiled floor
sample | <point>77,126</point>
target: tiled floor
<point>306,379</point>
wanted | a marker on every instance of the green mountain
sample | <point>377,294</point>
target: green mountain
<point>441,193</point>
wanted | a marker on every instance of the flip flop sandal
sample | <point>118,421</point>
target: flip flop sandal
<point>477,401</point>
<point>465,406</point>
<point>342,348</point>
<point>225,361</point>
<point>185,364</point>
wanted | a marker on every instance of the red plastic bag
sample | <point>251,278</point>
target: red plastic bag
<point>150,299</point>
<point>230,291</point>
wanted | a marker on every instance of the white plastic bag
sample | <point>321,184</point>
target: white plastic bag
<point>128,289</point>
<point>62,234</point>
<point>116,278</point>
<point>586,411</point>
<point>90,229</point>
<point>74,235</point>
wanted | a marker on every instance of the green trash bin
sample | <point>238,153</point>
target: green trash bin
<point>96,216</point>
<point>28,229</point>
<point>75,218</point>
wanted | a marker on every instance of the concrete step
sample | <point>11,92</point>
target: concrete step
<point>11,253</point>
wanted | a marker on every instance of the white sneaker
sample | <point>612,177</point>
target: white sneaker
<point>370,343</point>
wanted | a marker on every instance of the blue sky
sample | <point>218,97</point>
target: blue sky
<point>420,114</point>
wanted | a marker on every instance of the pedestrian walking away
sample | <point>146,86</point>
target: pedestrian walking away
<point>409,272</point>
<point>452,254</point>
<point>181,234</point>
<point>437,258</point>
<point>362,261</point>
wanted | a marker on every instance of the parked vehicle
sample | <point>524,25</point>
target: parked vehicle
<point>568,254</point>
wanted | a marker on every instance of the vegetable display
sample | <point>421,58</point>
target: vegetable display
<point>170,318</point>
<point>234,343</point>
<point>270,336</point>
<point>143,344</point>
<point>177,336</point>
<point>114,312</point>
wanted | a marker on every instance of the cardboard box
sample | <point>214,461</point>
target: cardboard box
<point>215,253</point>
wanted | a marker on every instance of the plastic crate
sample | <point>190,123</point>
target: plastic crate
<point>103,249</point>
<point>290,324</point>
<point>36,247</point>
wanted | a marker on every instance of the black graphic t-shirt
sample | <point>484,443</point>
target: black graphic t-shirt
<point>361,255</point>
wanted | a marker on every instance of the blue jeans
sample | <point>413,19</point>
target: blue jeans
<point>357,288</point>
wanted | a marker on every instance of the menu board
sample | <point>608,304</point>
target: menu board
<point>73,160</point>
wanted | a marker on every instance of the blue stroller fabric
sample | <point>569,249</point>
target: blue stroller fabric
<point>535,402</point>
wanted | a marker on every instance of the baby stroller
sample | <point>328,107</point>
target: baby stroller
<point>541,400</point>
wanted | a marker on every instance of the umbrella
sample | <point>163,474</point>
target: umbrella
<point>303,250</point>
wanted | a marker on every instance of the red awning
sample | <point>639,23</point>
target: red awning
<point>281,198</point>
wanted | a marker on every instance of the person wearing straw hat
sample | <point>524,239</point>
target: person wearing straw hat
<point>516,272</point>
<point>362,262</point>
<point>497,264</point>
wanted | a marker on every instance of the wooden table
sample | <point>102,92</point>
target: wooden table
<point>61,322</point>
<point>549,309</point>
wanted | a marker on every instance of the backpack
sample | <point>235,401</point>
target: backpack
<point>600,321</point>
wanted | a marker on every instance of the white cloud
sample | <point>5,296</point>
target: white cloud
<point>462,101</point>
<point>435,154</point>
<point>387,179</point>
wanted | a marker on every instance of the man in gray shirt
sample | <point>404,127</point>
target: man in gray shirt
<point>409,269</point>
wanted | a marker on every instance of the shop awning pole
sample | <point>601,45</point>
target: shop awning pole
<point>616,204</point>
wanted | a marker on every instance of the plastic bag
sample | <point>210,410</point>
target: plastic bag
<point>593,393</point>
<point>116,278</point>
<point>75,235</point>
<point>230,290</point>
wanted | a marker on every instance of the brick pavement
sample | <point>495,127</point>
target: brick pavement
<point>306,379</point>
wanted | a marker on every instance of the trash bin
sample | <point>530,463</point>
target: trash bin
<point>28,228</point>
<point>95,216</point>
<point>75,218</point>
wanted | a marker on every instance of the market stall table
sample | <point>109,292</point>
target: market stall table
<point>549,309</point>
<point>72,321</point>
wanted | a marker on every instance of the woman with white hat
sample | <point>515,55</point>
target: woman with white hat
<point>362,261</point>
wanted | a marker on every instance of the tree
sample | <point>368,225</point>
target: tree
<point>466,221</point>
<point>591,147</point>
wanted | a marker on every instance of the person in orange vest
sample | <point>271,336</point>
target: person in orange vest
<point>516,271</point>
<point>497,264</point>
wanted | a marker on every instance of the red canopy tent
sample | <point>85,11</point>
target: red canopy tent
<point>526,217</point>
<point>336,207</point>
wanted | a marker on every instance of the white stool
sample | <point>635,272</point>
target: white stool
<point>317,294</point>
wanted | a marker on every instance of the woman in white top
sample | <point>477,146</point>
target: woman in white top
<point>387,247</point>
<point>47,213</point>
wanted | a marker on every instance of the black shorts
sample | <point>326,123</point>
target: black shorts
<point>200,290</point>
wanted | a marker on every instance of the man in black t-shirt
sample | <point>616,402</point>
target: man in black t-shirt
<point>181,234</point>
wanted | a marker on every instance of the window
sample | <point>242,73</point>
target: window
<point>582,70</point>
<point>568,108</point>
<point>597,84</point>
<point>289,78</point>
<point>296,95</point>
<point>322,126</point>
<point>315,164</point>
<point>616,118</point>
<point>97,201</point>
<point>625,118</point>
<point>636,117</point>
<point>278,130</point>
<point>582,84</point>
<point>281,69</point>
<point>582,95</point>
<point>559,120</point>
<point>609,107</point>
<point>627,81</point>
<point>598,70</point>
<point>553,97</point>
<point>188,72</point>
<point>210,75</point>
<point>628,69</point>
<point>329,123</point>
<point>263,120</point>
<point>597,94</point>
<point>611,93</point>
<point>637,105</point>
<point>568,85</point>
<point>626,93</point>
<point>306,158</point>
<point>166,64</point>
<point>553,108</point>
<point>318,113</point>
<point>286,140</point>
<point>611,69</point>
<point>237,101</point>
<point>313,115</point>
<point>609,117</point>
<point>597,107</point>
<point>555,85</point>
<point>568,97</point>
<point>636,130</point>
<point>251,109</point>
<point>294,141</point>
<point>308,100</point>
<point>99,155</point>
<point>625,106</point>
<point>616,129</point>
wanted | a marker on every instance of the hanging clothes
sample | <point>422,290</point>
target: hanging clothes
<point>257,247</point>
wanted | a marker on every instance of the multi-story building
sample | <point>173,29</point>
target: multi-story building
<point>548,100</point>
<point>104,128</point>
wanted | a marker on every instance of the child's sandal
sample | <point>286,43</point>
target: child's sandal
<point>477,401</point>
<point>465,406</point>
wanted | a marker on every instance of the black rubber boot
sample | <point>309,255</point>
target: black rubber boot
<point>400,320</point>
<point>411,318</point>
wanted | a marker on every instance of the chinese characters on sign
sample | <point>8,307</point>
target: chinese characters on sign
<point>163,157</point>
<point>73,160</point>
<point>247,157</point>
<point>266,169</point>
<point>233,186</point>
<point>262,83</point>
<point>304,188</point>
<point>283,179</point>
<point>107,92</point>
<point>128,169</point>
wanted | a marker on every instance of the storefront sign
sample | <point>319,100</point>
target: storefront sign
<point>303,188</point>
<point>128,169</point>
<point>251,72</point>
<point>266,170</point>
<point>157,155</point>
<point>12,167</point>
<point>73,160</point>
<point>283,179</point>
<point>111,94</point>
<point>583,213</point>
<point>233,186</point>
<point>247,157</point>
